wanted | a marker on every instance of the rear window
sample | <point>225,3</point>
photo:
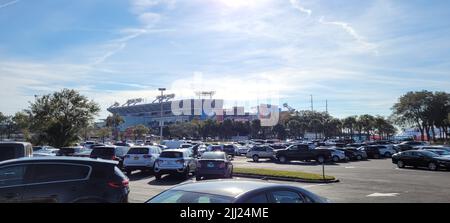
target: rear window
<point>103,151</point>
<point>171,154</point>
<point>8,152</point>
<point>42,173</point>
<point>138,151</point>
<point>228,147</point>
<point>213,156</point>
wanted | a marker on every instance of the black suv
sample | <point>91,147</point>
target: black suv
<point>302,152</point>
<point>116,153</point>
<point>62,180</point>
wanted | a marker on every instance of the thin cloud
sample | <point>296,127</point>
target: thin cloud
<point>9,4</point>
<point>296,4</point>
<point>352,32</point>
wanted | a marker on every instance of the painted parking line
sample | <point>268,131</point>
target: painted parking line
<point>383,195</point>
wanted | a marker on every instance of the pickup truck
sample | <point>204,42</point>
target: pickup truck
<point>302,152</point>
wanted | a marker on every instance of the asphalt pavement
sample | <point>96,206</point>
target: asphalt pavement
<point>371,181</point>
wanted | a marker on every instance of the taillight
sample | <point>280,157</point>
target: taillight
<point>222,165</point>
<point>147,156</point>
<point>124,183</point>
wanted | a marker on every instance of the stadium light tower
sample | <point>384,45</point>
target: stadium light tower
<point>161,123</point>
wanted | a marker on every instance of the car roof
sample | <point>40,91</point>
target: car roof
<point>15,143</point>
<point>56,159</point>
<point>175,150</point>
<point>229,188</point>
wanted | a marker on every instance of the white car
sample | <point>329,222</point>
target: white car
<point>141,158</point>
<point>175,161</point>
<point>338,155</point>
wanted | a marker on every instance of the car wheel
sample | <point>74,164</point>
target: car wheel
<point>231,174</point>
<point>186,174</point>
<point>335,159</point>
<point>158,176</point>
<point>400,164</point>
<point>255,158</point>
<point>359,157</point>
<point>282,159</point>
<point>387,154</point>
<point>432,166</point>
<point>320,159</point>
<point>128,172</point>
<point>198,178</point>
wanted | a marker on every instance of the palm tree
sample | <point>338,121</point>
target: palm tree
<point>114,121</point>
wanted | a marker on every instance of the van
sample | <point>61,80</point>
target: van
<point>15,150</point>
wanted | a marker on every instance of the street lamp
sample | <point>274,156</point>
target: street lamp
<point>161,123</point>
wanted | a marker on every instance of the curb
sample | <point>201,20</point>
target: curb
<point>265,177</point>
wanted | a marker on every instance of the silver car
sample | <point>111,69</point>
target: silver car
<point>258,152</point>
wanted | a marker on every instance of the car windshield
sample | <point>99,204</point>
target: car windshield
<point>187,197</point>
<point>214,155</point>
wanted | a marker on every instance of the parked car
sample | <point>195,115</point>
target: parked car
<point>116,153</point>
<point>258,152</point>
<point>278,146</point>
<point>71,151</point>
<point>421,158</point>
<point>378,151</point>
<point>360,154</point>
<point>83,153</point>
<point>214,164</point>
<point>409,145</point>
<point>175,161</point>
<point>350,154</point>
<point>234,191</point>
<point>435,147</point>
<point>440,152</point>
<point>215,148</point>
<point>230,149</point>
<point>14,150</point>
<point>45,151</point>
<point>62,180</point>
<point>336,154</point>
<point>141,158</point>
<point>172,144</point>
<point>302,152</point>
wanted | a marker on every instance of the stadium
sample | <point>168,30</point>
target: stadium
<point>137,112</point>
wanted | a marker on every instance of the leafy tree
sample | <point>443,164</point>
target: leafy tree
<point>141,131</point>
<point>59,117</point>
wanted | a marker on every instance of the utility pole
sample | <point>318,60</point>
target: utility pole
<point>161,122</point>
<point>312,103</point>
<point>326,105</point>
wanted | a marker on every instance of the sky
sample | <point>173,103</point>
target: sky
<point>360,56</point>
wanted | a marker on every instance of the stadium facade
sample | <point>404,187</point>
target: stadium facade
<point>149,114</point>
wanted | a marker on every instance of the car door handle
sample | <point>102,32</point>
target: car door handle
<point>11,195</point>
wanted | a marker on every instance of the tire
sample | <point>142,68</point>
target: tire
<point>198,178</point>
<point>387,154</point>
<point>282,159</point>
<point>320,159</point>
<point>358,157</point>
<point>186,174</point>
<point>400,164</point>
<point>432,166</point>
<point>255,158</point>
<point>335,159</point>
<point>231,175</point>
<point>157,176</point>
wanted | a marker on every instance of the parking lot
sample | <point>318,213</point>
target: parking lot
<point>369,181</point>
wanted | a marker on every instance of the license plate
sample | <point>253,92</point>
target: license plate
<point>136,157</point>
<point>210,165</point>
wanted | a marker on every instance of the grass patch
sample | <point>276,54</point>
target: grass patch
<point>282,173</point>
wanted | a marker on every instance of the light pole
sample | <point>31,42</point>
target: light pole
<point>161,123</point>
